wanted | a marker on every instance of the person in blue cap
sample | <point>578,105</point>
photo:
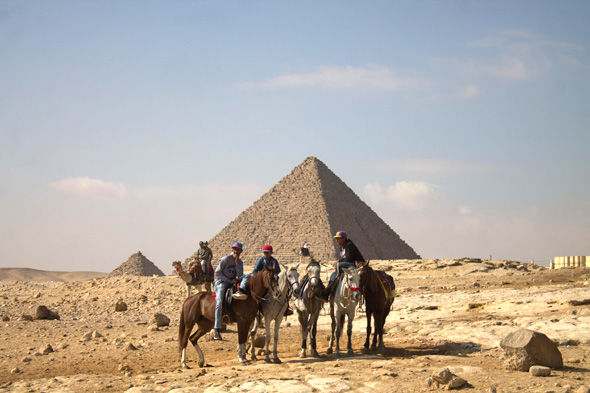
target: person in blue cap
<point>229,271</point>
<point>349,256</point>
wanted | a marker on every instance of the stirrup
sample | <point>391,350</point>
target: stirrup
<point>239,296</point>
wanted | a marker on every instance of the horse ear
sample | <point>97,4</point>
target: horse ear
<point>297,266</point>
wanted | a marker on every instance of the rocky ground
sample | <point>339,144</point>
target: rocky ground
<point>448,314</point>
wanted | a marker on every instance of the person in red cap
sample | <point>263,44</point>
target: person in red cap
<point>266,261</point>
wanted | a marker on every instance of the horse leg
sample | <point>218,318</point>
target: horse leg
<point>252,338</point>
<point>204,327</point>
<point>275,355</point>
<point>267,323</point>
<point>381,343</point>
<point>349,332</point>
<point>304,330</point>
<point>376,319</point>
<point>244,326</point>
<point>339,324</point>
<point>368,314</point>
<point>184,330</point>
<point>314,329</point>
<point>329,350</point>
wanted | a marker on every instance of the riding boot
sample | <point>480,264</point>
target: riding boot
<point>240,295</point>
<point>216,335</point>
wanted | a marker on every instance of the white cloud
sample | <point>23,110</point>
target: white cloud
<point>434,166</point>
<point>103,190</point>
<point>468,91</point>
<point>91,188</point>
<point>346,77</point>
<point>412,195</point>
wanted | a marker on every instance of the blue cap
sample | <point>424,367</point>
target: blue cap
<point>237,245</point>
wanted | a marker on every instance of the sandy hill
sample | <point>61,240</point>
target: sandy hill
<point>26,274</point>
<point>309,205</point>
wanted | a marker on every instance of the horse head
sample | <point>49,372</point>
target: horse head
<point>293,279</point>
<point>364,277</point>
<point>313,273</point>
<point>352,282</point>
<point>271,283</point>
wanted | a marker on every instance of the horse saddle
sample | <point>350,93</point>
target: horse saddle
<point>387,282</point>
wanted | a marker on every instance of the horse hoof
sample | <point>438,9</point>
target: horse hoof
<point>277,361</point>
<point>202,364</point>
<point>244,361</point>
<point>302,354</point>
<point>350,352</point>
<point>267,360</point>
<point>329,351</point>
<point>315,354</point>
<point>185,367</point>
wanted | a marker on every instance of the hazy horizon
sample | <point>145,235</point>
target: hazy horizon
<point>150,126</point>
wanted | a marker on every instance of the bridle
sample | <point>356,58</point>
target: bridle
<point>348,290</point>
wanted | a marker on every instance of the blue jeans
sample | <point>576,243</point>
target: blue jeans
<point>219,288</point>
<point>339,267</point>
<point>245,278</point>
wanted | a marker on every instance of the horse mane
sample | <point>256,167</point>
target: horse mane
<point>372,283</point>
<point>260,279</point>
<point>313,263</point>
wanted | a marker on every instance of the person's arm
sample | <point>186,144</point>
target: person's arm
<point>220,272</point>
<point>258,266</point>
<point>277,267</point>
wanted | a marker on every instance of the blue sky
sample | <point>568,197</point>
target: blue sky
<point>150,125</point>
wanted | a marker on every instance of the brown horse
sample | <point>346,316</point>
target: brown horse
<point>200,309</point>
<point>378,298</point>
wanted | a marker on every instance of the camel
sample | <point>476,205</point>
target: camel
<point>202,286</point>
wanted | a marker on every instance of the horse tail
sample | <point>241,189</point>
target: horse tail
<point>182,337</point>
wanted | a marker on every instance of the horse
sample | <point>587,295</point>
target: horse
<point>273,310</point>
<point>190,280</point>
<point>343,304</point>
<point>200,309</point>
<point>378,301</point>
<point>308,307</point>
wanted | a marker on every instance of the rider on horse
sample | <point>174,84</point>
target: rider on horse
<point>349,256</point>
<point>266,261</point>
<point>229,271</point>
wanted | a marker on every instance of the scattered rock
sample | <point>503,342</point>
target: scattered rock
<point>161,320</point>
<point>153,328</point>
<point>121,306</point>
<point>584,302</point>
<point>43,312</point>
<point>130,347</point>
<point>26,317</point>
<point>535,346</point>
<point>15,370</point>
<point>471,306</point>
<point>446,378</point>
<point>46,350</point>
<point>96,334</point>
<point>583,389</point>
<point>540,371</point>
<point>5,318</point>
<point>26,359</point>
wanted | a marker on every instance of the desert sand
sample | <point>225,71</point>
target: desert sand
<point>448,313</point>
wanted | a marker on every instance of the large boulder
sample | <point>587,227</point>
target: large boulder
<point>536,347</point>
<point>44,313</point>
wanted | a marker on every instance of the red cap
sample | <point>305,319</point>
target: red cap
<point>267,248</point>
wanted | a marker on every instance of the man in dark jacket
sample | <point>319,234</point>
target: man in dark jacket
<point>349,256</point>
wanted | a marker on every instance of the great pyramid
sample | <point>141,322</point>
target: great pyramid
<point>137,265</point>
<point>309,205</point>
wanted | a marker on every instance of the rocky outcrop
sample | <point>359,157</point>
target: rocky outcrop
<point>532,348</point>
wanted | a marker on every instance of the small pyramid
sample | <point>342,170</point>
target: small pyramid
<point>308,206</point>
<point>137,265</point>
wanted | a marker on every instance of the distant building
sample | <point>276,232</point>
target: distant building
<point>576,261</point>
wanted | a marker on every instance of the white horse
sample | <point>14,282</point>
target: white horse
<point>343,304</point>
<point>308,307</point>
<point>274,308</point>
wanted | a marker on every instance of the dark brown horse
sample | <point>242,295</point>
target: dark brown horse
<point>200,309</point>
<point>379,297</point>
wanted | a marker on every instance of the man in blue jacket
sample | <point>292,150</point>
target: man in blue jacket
<point>229,271</point>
